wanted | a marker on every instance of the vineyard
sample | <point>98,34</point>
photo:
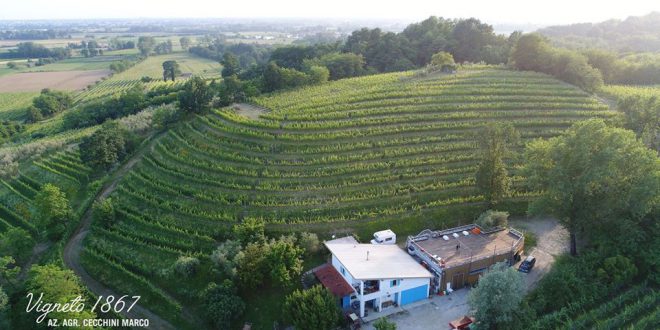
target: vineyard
<point>617,91</point>
<point>392,148</point>
<point>150,67</point>
<point>62,168</point>
<point>12,105</point>
<point>635,308</point>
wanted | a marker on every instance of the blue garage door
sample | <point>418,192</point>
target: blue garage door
<point>414,294</point>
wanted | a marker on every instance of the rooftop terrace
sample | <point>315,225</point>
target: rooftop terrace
<point>462,249</point>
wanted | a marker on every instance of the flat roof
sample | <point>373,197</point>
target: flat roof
<point>385,261</point>
<point>473,246</point>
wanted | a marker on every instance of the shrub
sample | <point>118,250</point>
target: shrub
<point>186,266</point>
<point>224,257</point>
<point>383,324</point>
<point>104,212</point>
<point>491,218</point>
<point>310,242</point>
<point>617,271</point>
<point>222,304</point>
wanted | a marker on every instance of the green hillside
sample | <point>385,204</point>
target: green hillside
<point>387,150</point>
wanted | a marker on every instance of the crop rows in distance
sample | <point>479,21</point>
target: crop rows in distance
<point>150,67</point>
<point>384,146</point>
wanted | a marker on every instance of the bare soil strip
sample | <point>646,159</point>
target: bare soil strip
<point>60,80</point>
<point>249,110</point>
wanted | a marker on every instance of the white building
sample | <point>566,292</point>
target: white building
<point>381,275</point>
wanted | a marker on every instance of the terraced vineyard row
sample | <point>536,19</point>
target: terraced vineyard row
<point>636,308</point>
<point>383,147</point>
<point>62,169</point>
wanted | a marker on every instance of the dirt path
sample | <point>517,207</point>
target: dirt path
<point>71,254</point>
<point>249,110</point>
<point>37,252</point>
<point>551,241</point>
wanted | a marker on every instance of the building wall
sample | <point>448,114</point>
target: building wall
<point>470,272</point>
<point>343,271</point>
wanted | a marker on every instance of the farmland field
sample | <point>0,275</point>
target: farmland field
<point>77,64</point>
<point>152,67</point>
<point>61,80</point>
<point>388,147</point>
<point>12,105</point>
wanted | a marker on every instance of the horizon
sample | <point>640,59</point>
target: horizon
<point>502,12</point>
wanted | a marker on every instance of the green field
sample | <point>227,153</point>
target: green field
<point>77,63</point>
<point>151,67</point>
<point>386,150</point>
<point>12,105</point>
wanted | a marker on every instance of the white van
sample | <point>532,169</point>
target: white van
<point>384,237</point>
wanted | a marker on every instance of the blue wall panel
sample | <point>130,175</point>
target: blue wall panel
<point>346,302</point>
<point>414,294</point>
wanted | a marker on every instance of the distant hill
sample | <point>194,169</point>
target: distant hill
<point>634,34</point>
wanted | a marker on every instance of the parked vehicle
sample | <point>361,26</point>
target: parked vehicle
<point>527,264</point>
<point>384,237</point>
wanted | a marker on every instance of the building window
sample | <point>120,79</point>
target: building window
<point>394,283</point>
<point>343,271</point>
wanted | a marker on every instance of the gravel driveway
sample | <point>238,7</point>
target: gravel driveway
<point>551,241</point>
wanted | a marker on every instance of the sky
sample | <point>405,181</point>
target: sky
<point>492,11</point>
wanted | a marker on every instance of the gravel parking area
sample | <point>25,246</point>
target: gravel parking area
<point>551,241</point>
<point>434,313</point>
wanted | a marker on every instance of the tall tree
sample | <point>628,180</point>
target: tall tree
<point>470,37</point>
<point>106,146</point>
<point>52,210</point>
<point>492,177</point>
<point>195,97</point>
<point>284,260</point>
<point>497,296</point>
<point>184,42</point>
<point>146,45</point>
<point>230,65</point>
<point>170,70</point>
<point>58,286</point>
<point>16,242</point>
<point>315,308</point>
<point>594,177</point>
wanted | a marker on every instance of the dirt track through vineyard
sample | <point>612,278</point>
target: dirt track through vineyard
<point>74,246</point>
